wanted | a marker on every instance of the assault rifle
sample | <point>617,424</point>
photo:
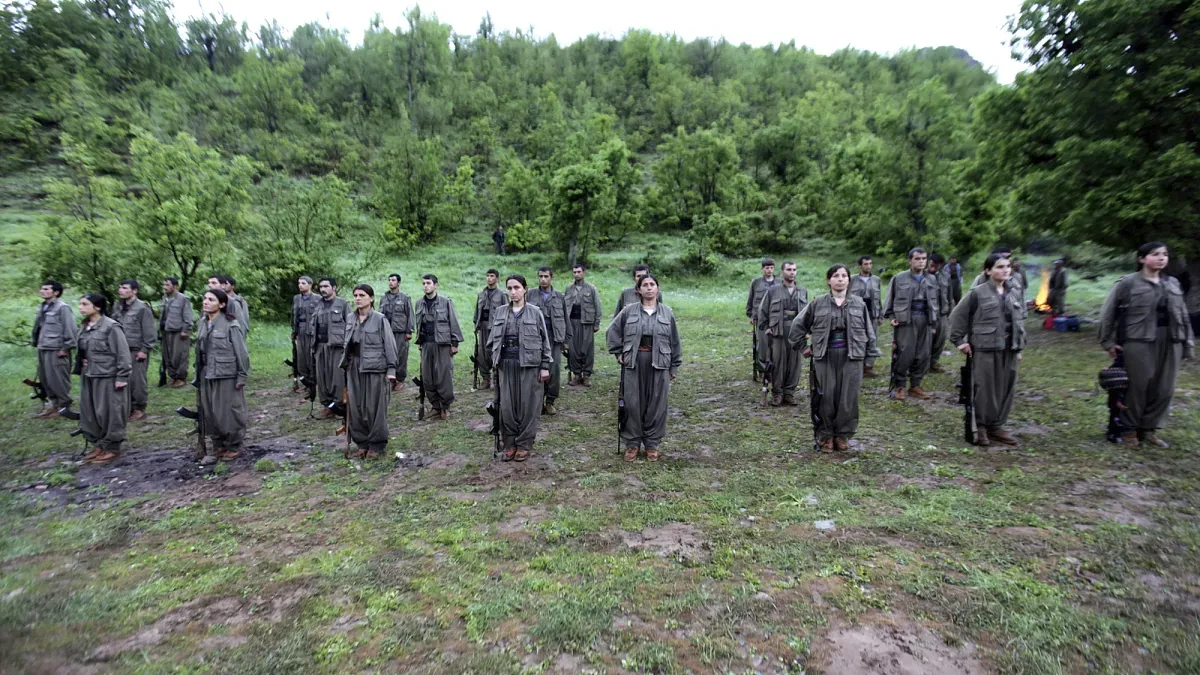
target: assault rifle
<point>162,361</point>
<point>493,408</point>
<point>966,398</point>
<point>768,372</point>
<point>345,428</point>
<point>474,371</point>
<point>815,396</point>
<point>420,397</point>
<point>754,352</point>
<point>39,391</point>
<point>294,364</point>
<point>198,416</point>
<point>622,412</point>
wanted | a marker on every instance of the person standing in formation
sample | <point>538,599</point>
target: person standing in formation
<point>986,326</point>
<point>398,310</point>
<point>956,279</point>
<point>937,270</point>
<point>105,365</point>
<point>369,361</point>
<point>583,312</point>
<point>912,306</point>
<point>488,299</point>
<point>630,295</point>
<point>867,286</point>
<point>498,239</point>
<point>304,304</point>
<point>1058,289</point>
<point>758,288</point>
<point>554,311</point>
<point>843,336</point>
<point>519,348</point>
<point>1016,280</point>
<point>175,320</point>
<point>645,340</point>
<point>438,341</point>
<point>222,368</point>
<point>137,321</point>
<point>54,338</point>
<point>780,305</point>
<point>328,331</point>
<point>1146,319</point>
<point>240,309</point>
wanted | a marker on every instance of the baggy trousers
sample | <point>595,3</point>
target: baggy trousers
<point>785,371</point>
<point>482,358</point>
<point>54,372</point>
<point>401,357</point>
<point>646,390</point>
<point>224,408</point>
<point>839,380</point>
<point>306,366</point>
<point>911,362</point>
<point>330,378</point>
<point>520,404</point>
<point>437,372</point>
<point>103,412</point>
<point>994,384</point>
<point>175,350</point>
<point>139,392</point>
<point>552,385</point>
<point>370,394</point>
<point>581,358</point>
<point>1152,369</point>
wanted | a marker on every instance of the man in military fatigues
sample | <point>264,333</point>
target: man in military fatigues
<point>867,286</point>
<point>554,311</point>
<point>583,313</point>
<point>912,306</point>
<point>1058,289</point>
<point>397,308</point>
<point>630,296</point>
<point>137,321</point>
<point>304,304</point>
<point>487,300</point>
<point>758,288</point>
<point>240,309</point>
<point>328,330</point>
<point>438,341</point>
<point>54,335</point>
<point>779,306</point>
<point>175,320</point>
<point>498,239</point>
<point>1015,284</point>
<point>937,269</point>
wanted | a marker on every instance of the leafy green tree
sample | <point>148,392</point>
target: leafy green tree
<point>692,173</point>
<point>409,189</point>
<point>271,89</point>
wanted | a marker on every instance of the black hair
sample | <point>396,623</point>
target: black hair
<point>229,280</point>
<point>494,271</point>
<point>397,277</point>
<point>221,296</point>
<point>54,286</point>
<point>174,281</point>
<point>1145,250</point>
<point>788,262</point>
<point>937,258</point>
<point>768,261</point>
<point>578,266</point>
<point>648,276</point>
<point>915,251</point>
<point>832,270</point>
<point>991,261</point>
<point>366,288</point>
<point>99,301</point>
<point>431,277</point>
<point>519,278</point>
<point>331,280</point>
<point>640,268</point>
<point>1001,250</point>
<point>545,268</point>
<point>218,277</point>
<point>132,283</point>
<point>861,258</point>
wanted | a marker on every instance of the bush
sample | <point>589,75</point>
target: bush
<point>526,237</point>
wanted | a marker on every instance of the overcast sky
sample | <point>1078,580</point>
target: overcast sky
<point>884,26</point>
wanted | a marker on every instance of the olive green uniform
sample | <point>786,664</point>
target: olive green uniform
<point>758,288</point>
<point>106,360</point>
<point>870,289</point>
<point>649,346</point>
<point>398,310</point>
<point>630,296</point>
<point>1016,284</point>
<point>913,302</point>
<point>990,322</point>
<point>174,319</point>
<point>222,367</point>
<point>1058,292</point>
<point>240,310</point>
<point>776,311</point>
<point>842,338</point>
<point>583,313</point>
<point>328,329</point>
<point>519,347</point>
<point>439,331</point>
<point>1150,323</point>
<point>303,307</point>
<point>369,358</point>
<point>487,301</point>
<point>938,340</point>
<point>554,311</point>
<point>137,322</point>
<point>53,332</point>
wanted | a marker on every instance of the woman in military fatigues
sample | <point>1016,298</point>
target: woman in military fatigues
<point>645,340</point>
<point>1145,318</point>
<point>519,348</point>
<point>843,336</point>
<point>222,366</point>
<point>369,359</point>
<point>105,366</point>
<point>987,326</point>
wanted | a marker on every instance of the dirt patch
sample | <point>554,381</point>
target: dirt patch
<point>450,460</point>
<point>1032,429</point>
<point>523,517</point>
<point>202,613</point>
<point>468,496</point>
<point>892,481</point>
<point>566,664</point>
<point>1023,532</point>
<point>894,649</point>
<point>676,541</point>
<point>1171,597</point>
<point>1125,503</point>
<point>480,424</point>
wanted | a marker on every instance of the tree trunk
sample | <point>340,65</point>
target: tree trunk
<point>1193,292</point>
<point>572,250</point>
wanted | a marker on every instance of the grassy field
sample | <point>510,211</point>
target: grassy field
<point>1067,554</point>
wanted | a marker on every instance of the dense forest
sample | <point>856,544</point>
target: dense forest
<point>182,149</point>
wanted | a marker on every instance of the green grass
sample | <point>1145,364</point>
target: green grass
<point>1067,555</point>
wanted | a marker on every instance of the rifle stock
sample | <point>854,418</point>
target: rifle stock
<point>420,397</point>
<point>39,392</point>
<point>966,397</point>
<point>162,359</point>
<point>622,413</point>
<point>493,408</point>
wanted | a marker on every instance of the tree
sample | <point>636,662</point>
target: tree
<point>691,174</point>
<point>592,200</point>
<point>272,89</point>
<point>409,187</point>
<point>190,202</point>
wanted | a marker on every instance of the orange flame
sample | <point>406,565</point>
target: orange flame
<point>1042,302</point>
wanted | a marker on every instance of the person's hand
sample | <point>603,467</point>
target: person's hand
<point>895,323</point>
<point>807,351</point>
<point>62,354</point>
<point>183,334</point>
<point>595,328</point>
<point>1114,350</point>
<point>1019,355</point>
<point>294,336</point>
<point>408,337</point>
<point>620,359</point>
<point>769,332</point>
<point>83,363</point>
<point>119,385</point>
<point>672,378</point>
<point>453,350</point>
<point>752,323</point>
<point>239,386</point>
<point>140,356</point>
<point>391,378</point>
<point>543,375</point>
<point>966,349</point>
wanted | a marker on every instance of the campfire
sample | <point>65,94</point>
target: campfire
<point>1042,302</point>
